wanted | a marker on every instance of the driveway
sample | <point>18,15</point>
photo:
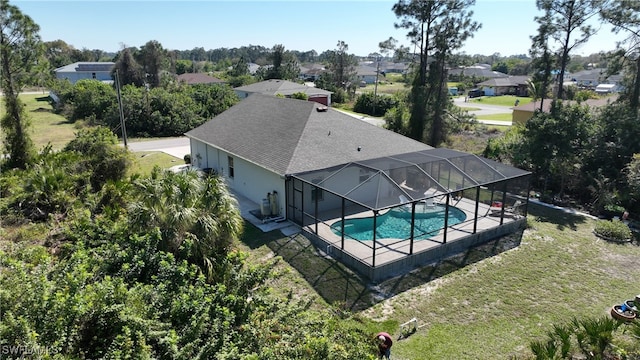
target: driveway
<point>485,109</point>
<point>177,147</point>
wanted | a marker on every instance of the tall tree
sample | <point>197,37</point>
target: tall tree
<point>542,62</point>
<point>153,58</point>
<point>567,21</point>
<point>20,48</point>
<point>342,66</point>
<point>129,71</point>
<point>437,28</point>
<point>284,65</point>
<point>624,15</point>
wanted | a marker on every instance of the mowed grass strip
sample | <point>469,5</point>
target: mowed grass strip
<point>504,100</point>
<point>487,303</point>
<point>497,117</point>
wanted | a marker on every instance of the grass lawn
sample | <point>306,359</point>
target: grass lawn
<point>488,303</point>
<point>500,117</point>
<point>46,127</point>
<point>145,161</point>
<point>505,100</point>
<point>384,87</point>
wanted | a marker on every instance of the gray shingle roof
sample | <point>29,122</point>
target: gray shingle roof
<point>289,136</point>
<point>508,81</point>
<point>198,78</point>
<point>86,66</point>
<point>282,87</point>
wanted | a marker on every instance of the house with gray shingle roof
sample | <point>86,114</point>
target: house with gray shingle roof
<point>314,166</point>
<point>198,78</point>
<point>512,85</point>
<point>590,79</point>
<point>366,74</point>
<point>100,71</point>
<point>275,87</point>
<point>263,139</point>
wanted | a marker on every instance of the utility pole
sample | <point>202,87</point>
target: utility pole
<point>375,87</point>
<point>122,122</point>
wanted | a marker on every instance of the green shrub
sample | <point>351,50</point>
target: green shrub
<point>612,230</point>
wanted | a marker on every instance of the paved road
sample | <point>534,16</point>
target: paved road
<point>178,146</point>
<point>484,110</point>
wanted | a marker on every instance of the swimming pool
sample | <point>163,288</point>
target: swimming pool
<point>396,224</point>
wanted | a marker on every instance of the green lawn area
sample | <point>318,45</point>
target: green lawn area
<point>505,100</point>
<point>145,161</point>
<point>46,127</point>
<point>500,117</point>
<point>487,303</point>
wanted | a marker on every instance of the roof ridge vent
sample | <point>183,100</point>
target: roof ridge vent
<point>322,108</point>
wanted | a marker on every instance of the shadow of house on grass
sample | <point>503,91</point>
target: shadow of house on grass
<point>563,219</point>
<point>347,290</point>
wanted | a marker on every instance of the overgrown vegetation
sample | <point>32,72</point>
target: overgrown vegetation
<point>144,267</point>
<point>160,111</point>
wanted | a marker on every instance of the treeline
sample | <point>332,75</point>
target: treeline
<point>99,264</point>
<point>579,156</point>
<point>171,110</point>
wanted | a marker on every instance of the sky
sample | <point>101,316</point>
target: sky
<point>301,25</point>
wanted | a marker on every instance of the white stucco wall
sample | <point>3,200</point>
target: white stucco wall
<point>73,77</point>
<point>342,183</point>
<point>249,180</point>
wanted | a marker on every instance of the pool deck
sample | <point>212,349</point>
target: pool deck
<point>394,256</point>
<point>390,250</point>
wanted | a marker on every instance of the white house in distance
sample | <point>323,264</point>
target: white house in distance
<point>325,166</point>
<point>366,74</point>
<point>284,88</point>
<point>85,70</point>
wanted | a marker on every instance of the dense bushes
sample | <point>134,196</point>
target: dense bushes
<point>146,268</point>
<point>614,230</point>
<point>378,105</point>
<point>162,111</point>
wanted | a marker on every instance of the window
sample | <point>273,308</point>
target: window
<point>93,75</point>
<point>230,160</point>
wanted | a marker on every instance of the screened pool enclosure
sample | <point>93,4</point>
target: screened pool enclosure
<point>389,215</point>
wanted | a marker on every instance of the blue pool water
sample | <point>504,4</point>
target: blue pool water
<point>396,224</point>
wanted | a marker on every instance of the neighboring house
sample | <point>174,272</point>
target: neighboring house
<point>522,113</point>
<point>512,85</point>
<point>366,74</point>
<point>307,161</point>
<point>253,68</point>
<point>478,71</point>
<point>275,87</point>
<point>590,79</point>
<point>392,67</point>
<point>198,78</point>
<point>311,72</point>
<point>85,70</point>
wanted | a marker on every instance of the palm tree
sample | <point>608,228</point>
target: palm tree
<point>196,216</point>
